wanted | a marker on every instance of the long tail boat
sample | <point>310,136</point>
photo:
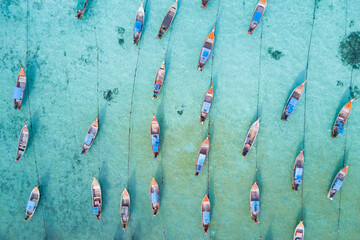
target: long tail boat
<point>292,101</point>
<point>338,181</point>
<point>139,24</point>
<point>159,79</point>
<point>299,231</point>
<point>23,141</point>
<point>341,119</point>
<point>125,208</point>
<point>250,137</point>
<point>169,17</point>
<point>19,89</point>
<point>203,152</point>
<point>205,108</point>
<point>80,8</point>
<point>258,14</point>
<point>96,198</point>
<point>254,202</point>
<point>204,3</point>
<point>32,203</point>
<point>298,171</point>
<point>154,196</point>
<point>155,136</point>
<point>205,213</point>
<point>90,137</point>
<point>206,50</point>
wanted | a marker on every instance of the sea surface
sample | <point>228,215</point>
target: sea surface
<point>78,70</point>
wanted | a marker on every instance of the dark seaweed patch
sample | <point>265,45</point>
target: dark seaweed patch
<point>180,112</point>
<point>275,54</point>
<point>339,83</point>
<point>351,24</point>
<point>110,95</point>
<point>355,92</point>
<point>121,41</point>
<point>350,50</point>
<point>121,30</point>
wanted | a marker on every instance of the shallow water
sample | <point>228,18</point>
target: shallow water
<point>78,70</point>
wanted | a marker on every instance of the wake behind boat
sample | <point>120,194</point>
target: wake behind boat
<point>250,137</point>
<point>159,79</point>
<point>23,141</point>
<point>154,196</point>
<point>206,50</point>
<point>205,108</point>
<point>90,137</point>
<point>155,136</point>
<point>80,8</point>
<point>255,202</point>
<point>19,89</point>
<point>341,119</point>
<point>125,208</point>
<point>338,182</point>
<point>96,198</point>
<point>258,14</point>
<point>292,101</point>
<point>139,24</point>
<point>168,19</point>
<point>298,171</point>
<point>203,152</point>
<point>205,213</point>
<point>32,203</point>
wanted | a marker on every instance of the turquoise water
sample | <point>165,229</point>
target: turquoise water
<point>78,70</point>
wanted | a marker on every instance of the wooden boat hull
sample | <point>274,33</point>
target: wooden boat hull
<point>255,202</point>
<point>204,3</point>
<point>206,105</point>
<point>96,198</point>
<point>203,152</point>
<point>257,16</point>
<point>80,8</point>
<point>205,213</point>
<point>299,231</point>
<point>292,101</point>
<point>32,203</point>
<point>159,79</point>
<point>341,119</point>
<point>168,19</point>
<point>206,50</point>
<point>19,89</point>
<point>337,183</point>
<point>155,136</point>
<point>298,171</point>
<point>251,137</point>
<point>139,24</point>
<point>22,143</point>
<point>125,208</point>
<point>90,137</point>
<point>155,196</point>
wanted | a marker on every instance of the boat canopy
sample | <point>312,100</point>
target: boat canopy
<point>167,20</point>
<point>340,126</point>
<point>298,175</point>
<point>30,206</point>
<point>137,27</point>
<point>206,107</point>
<point>156,87</point>
<point>256,17</point>
<point>337,184</point>
<point>155,142</point>
<point>154,197</point>
<point>206,217</point>
<point>124,211</point>
<point>17,93</point>
<point>95,210</point>
<point>88,139</point>
<point>291,105</point>
<point>254,206</point>
<point>204,55</point>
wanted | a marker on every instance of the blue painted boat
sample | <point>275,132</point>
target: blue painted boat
<point>96,198</point>
<point>341,119</point>
<point>139,24</point>
<point>168,19</point>
<point>255,202</point>
<point>203,152</point>
<point>338,182</point>
<point>205,213</point>
<point>292,101</point>
<point>19,89</point>
<point>155,136</point>
<point>32,203</point>
<point>298,171</point>
<point>90,136</point>
<point>80,8</point>
<point>258,14</point>
<point>154,196</point>
<point>206,50</point>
